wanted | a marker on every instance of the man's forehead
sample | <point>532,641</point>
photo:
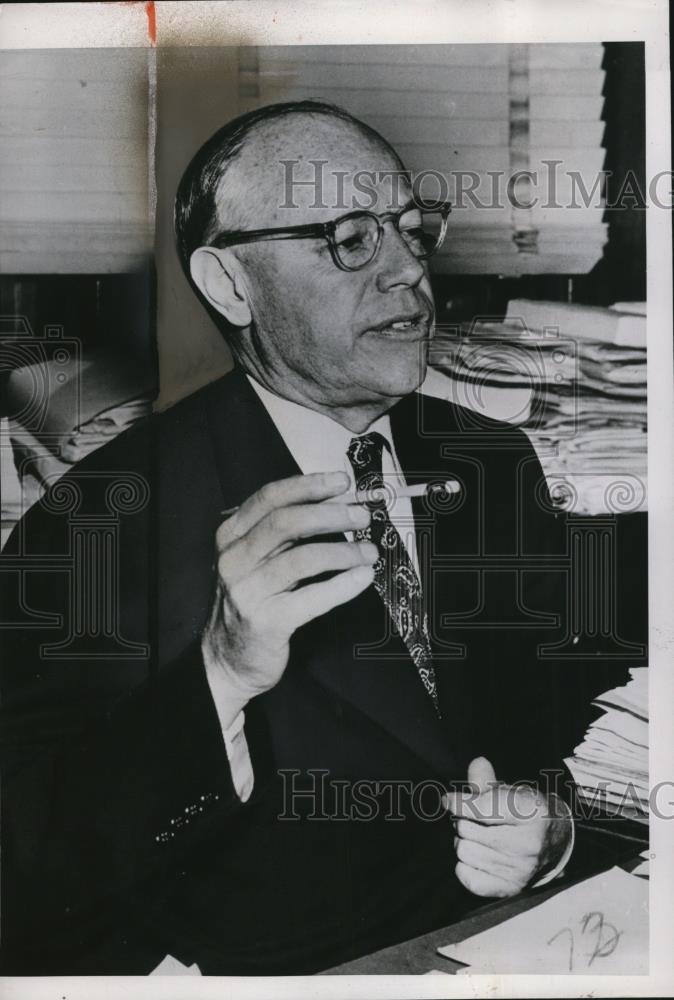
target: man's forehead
<point>310,168</point>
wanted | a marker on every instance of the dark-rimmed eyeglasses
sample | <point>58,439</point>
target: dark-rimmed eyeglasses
<point>354,239</point>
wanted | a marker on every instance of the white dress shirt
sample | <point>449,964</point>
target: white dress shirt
<point>320,444</point>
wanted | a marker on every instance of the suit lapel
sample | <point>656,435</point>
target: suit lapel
<point>248,449</point>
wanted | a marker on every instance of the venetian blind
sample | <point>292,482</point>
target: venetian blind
<point>73,160</point>
<point>477,115</point>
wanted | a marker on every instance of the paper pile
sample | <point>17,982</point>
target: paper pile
<point>623,324</point>
<point>610,766</point>
<point>593,434</point>
<point>574,377</point>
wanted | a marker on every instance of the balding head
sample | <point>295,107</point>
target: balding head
<point>297,170</point>
<point>237,180</point>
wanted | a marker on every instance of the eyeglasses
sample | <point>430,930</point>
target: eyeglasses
<point>354,239</point>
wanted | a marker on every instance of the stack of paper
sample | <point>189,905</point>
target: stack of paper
<point>610,766</point>
<point>594,435</point>
<point>600,427</point>
<point>619,325</point>
<point>584,369</point>
<point>494,369</point>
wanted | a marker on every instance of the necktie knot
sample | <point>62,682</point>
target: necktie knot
<point>365,454</point>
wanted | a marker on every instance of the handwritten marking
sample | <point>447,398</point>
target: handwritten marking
<point>568,931</point>
<point>593,923</point>
<point>603,948</point>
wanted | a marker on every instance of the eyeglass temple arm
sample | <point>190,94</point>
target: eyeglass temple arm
<point>256,235</point>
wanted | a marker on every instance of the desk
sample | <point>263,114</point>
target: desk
<point>598,848</point>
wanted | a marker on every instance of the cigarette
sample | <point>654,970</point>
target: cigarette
<point>398,493</point>
<point>377,495</point>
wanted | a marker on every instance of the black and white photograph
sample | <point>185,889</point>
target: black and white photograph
<point>336,496</point>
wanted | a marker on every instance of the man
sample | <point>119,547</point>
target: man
<point>259,792</point>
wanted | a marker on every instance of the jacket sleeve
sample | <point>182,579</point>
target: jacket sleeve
<point>113,769</point>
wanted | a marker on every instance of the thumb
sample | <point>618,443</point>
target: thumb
<point>481,773</point>
<point>481,776</point>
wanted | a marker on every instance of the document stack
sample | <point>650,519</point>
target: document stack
<point>610,766</point>
<point>483,371</point>
<point>594,435</point>
<point>574,378</point>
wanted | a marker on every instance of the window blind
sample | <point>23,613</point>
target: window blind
<point>73,160</point>
<point>476,115</point>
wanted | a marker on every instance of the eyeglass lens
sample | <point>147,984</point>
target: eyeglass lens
<point>356,239</point>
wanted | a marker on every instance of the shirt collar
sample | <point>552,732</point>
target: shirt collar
<point>317,442</point>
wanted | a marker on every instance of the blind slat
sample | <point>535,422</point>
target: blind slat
<point>70,206</point>
<point>482,158</point>
<point>63,151</point>
<point>427,131</point>
<point>410,55</point>
<point>564,108</point>
<point>60,122</point>
<point>79,247</point>
<point>38,175</point>
<point>553,82</point>
<point>424,104</point>
<point>379,76</point>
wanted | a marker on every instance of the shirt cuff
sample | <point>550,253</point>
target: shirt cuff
<point>564,860</point>
<point>234,737</point>
<point>238,756</point>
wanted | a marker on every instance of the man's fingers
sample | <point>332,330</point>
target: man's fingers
<point>303,605</point>
<point>488,859</point>
<point>490,808</point>
<point>500,837</point>
<point>483,884</point>
<point>286,570</point>
<point>502,804</point>
<point>288,524</point>
<point>311,488</point>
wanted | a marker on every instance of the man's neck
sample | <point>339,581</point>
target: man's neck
<point>356,418</point>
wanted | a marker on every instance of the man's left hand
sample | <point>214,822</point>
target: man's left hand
<point>506,835</point>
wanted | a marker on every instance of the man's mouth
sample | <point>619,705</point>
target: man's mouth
<point>413,327</point>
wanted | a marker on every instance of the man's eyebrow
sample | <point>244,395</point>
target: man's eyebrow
<point>408,206</point>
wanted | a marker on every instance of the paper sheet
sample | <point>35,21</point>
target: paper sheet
<point>170,966</point>
<point>599,926</point>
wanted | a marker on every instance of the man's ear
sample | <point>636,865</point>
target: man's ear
<point>216,275</point>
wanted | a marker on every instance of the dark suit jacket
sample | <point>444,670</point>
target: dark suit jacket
<point>123,837</point>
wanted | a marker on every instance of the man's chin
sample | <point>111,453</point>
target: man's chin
<point>397,382</point>
<point>395,369</point>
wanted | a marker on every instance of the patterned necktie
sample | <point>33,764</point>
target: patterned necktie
<point>395,579</point>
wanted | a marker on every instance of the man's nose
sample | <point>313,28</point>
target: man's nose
<point>396,264</point>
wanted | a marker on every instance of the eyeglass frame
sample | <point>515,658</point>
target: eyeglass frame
<point>326,230</point>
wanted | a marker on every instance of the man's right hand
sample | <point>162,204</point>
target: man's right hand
<point>259,603</point>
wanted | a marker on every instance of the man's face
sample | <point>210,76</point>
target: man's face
<point>339,338</point>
